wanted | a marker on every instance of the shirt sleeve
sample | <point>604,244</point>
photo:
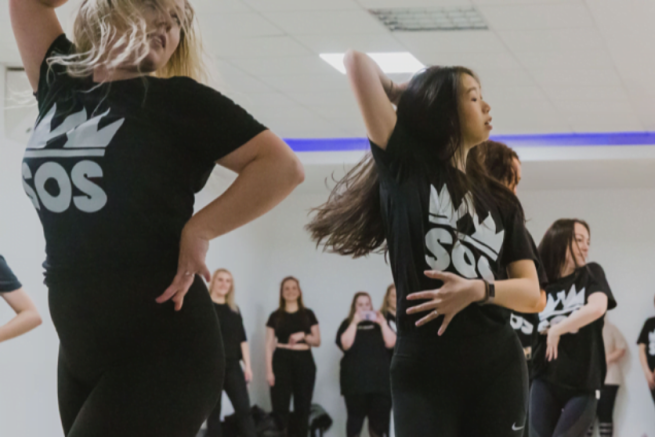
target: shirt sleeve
<point>311,318</point>
<point>8,281</point>
<point>342,328</point>
<point>242,333</point>
<point>598,283</point>
<point>51,76</point>
<point>391,162</point>
<point>272,320</point>
<point>643,335</point>
<point>518,245</point>
<point>211,123</point>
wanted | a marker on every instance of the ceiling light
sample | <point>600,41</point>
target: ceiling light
<point>400,62</point>
<point>430,19</point>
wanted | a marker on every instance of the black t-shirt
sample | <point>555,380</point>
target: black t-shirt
<point>525,324</point>
<point>647,337</point>
<point>286,324</point>
<point>113,169</point>
<point>581,362</point>
<point>8,281</point>
<point>427,229</point>
<point>365,366</point>
<point>232,331</point>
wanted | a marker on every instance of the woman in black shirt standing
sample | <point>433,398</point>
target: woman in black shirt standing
<point>646,342</point>
<point>124,140</point>
<point>27,316</point>
<point>451,233</point>
<point>291,331</point>
<point>235,344</point>
<point>366,339</point>
<point>569,362</point>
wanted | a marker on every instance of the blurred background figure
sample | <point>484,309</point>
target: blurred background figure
<point>366,339</point>
<point>291,331</point>
<point>235,344</point>
<point>646,344</point>
<point>27,316</point>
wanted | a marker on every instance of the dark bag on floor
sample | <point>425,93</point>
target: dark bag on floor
<point>319,421</point>
<point>264,424</point>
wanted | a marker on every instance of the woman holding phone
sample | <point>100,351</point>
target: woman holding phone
<point>365,339</point>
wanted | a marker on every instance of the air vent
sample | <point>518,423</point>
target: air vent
<point>430,19</point>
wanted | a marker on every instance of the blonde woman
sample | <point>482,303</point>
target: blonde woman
<point>388,308</point>
<point>235,344</point>
<point>124,139</point>
<point>27,316</point>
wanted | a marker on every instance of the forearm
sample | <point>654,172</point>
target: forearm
<point>584,316</point>
<point>643,359</point>
<point>348,337</point>
<point>24,322</point>
<point>245,353</point>
<point>270,348</point>
<point>520,294</point>
<point>615,356</point>
<point>389,336</point>
<point>260,186</point>
<point>314,340</point>
<point>360,66</point>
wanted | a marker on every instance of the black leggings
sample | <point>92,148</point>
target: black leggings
<point>129,366</point>
<point>295,374</point>
<point>556,411</point>
<point>476,386</point>
<point>605,411</point>
<point>237,391</point>
<point>375,406</point>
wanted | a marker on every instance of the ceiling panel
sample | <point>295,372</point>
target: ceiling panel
<point>287,65</point>
<point>588,93</point>
<point>474,41</point>
<point>340,43</point>
<point>216,6</point>
<point>570,77</point>
<point>264,47</point>
<point>552,40</point>
<point>301,5</point>
<point>308,83</point>
<point>578,59</point>
<point>604,122</point>
<point>474,61</point>
<point>325,22</point>
<point>373,4</point>
<point>537,16</point>
<point>220,25</point>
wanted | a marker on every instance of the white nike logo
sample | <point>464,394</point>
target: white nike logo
<point>514,428</point>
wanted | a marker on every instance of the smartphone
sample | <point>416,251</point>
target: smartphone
<point>369,316</point>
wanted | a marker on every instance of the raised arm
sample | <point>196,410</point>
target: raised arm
<point>375,93</point>
<point>35,27</point>
<point>268,171</point>
<point>314,339</point>
<point>27,316</point>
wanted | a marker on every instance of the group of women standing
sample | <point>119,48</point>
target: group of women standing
<point>125,138</point>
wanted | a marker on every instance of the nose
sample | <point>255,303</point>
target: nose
<point>486,108</point>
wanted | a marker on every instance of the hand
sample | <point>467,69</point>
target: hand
<point>357,318</point>
<point>552,342</point>
<point>248,374</point>
<point>296,338</point>
<point>270,378</point>
<point>193,251</point>
<point>380,320</point>
<point>455,294</point>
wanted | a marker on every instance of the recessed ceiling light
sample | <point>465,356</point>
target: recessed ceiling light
<point>430,19</point>
<point>399,62</point>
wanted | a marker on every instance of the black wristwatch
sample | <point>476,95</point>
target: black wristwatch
<point>489,293</point>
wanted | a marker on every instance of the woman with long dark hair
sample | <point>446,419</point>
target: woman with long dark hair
<point>458,368</point>
<point>235,345</point>
<point>27,316</point>
<point>124,140</point>
<point>569,362</point>
<point>291,332</point>
<point>365,339</point>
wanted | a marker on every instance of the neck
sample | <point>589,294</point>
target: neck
<point>102,74</point>
<point>459,159</point>
<point>218,298</point>
<point>291,307</point>
<point>392,311</point>
<point>567,270</point>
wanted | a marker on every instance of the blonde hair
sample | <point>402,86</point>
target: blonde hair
<point>229,297</point>
<point>384,309</point>
<point>110,33</point>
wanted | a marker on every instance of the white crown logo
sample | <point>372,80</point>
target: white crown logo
<point>80,131</point>
<point>565,304</point>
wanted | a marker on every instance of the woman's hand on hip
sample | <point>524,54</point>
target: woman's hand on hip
<point>455,294</point>
<point>193,251</point>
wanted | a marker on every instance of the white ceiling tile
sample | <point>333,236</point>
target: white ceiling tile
<point>301,5</point>
<point>225,76</point>
<point>331,98</point>
<point>326,22</point>
<point>339,43</point>
<point>569,77</point>
<point>307,83</point>
<point>293,113</point>
<point>520,2</point>
<point>374,4</point>
<point>512,93</point>
<point>568,106</point>
<point>537,16</point>
<point>604,122</point>
<point>495,78</point>
<point>510,120</point>
<point>283,65</point>
<point>214,6</point>
<point>552,40</point>
<point>484,60</point>
<point>473,41</point>
<point>221,25</point>
<point>579,59</point>
<point>343,112</point>
<point>271,46</point>
<point>9,54</point>
<point>588,93</point>
<point>277,101</point>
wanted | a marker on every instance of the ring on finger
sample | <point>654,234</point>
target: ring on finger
<point>187,273</point>
<point>435,313</point>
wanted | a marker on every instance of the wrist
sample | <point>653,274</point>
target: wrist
<point>478,291</point>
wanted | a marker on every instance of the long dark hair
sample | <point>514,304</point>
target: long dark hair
<point>558,239</point>
<point>497,160</point>
<point>349,223</point>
